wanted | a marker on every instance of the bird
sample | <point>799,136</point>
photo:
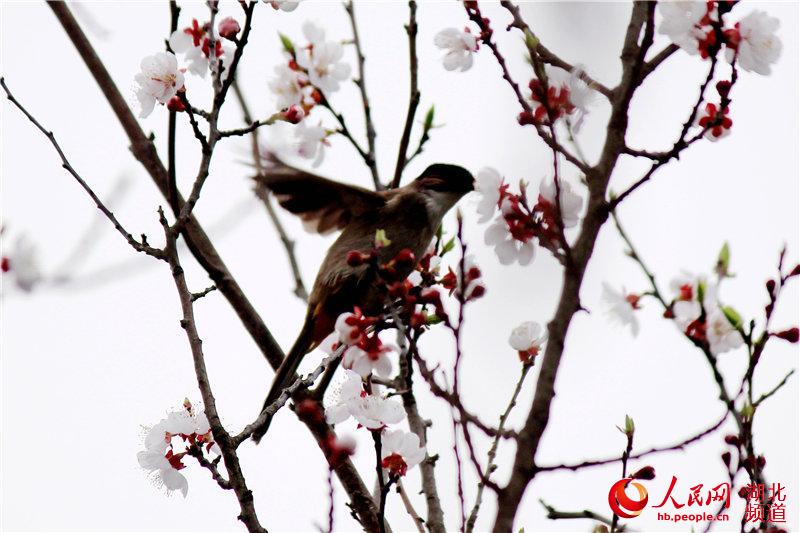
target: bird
<point>409,215</point>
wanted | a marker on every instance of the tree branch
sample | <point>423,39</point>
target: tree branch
<point>372,162</point>
<point>413,98</point>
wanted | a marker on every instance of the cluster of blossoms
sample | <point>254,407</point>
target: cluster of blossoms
<point>194,42</point>
<point>563,95</point>
<point>161,79</point>
<point>518,222</point>
<point>700,28</point>
<point>170,440</point>
<point>310,75</point>
<point>365,354</point>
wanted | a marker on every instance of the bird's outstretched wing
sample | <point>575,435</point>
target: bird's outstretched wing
<point>323,205</point>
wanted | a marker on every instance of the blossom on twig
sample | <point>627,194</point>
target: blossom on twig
<point>195,45</point>
<point>160,457</point>
<point>527,339</point>
<point>754,42</point>
<point>460,45</point>
<point>400,451</point>
<point>370,410</point>
<point>622,307</point>
<point>158,81</point>
<point>321,60</point>
<point>310,142</point>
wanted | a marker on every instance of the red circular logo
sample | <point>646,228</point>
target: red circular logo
<point>622,504</point>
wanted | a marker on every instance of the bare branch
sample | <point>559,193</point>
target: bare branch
<point>264,195</point>
<point>65,164</point>
<point>371,160</point>
<point>413,98</point>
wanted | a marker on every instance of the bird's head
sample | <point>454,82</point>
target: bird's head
<point>445,178</point>
<point>443,185</point>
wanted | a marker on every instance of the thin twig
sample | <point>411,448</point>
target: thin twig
<point>413,98</point>
<point>554,514</point>
<point>490,464</point>
<point>264,195</point>
<point>65,164</point>
<point>371,160</point>
<point>418,521</point>
<point>235,476</point>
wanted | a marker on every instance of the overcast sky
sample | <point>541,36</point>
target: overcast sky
<point>89,362</point>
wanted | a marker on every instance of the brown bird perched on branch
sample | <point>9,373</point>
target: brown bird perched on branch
<point>410,216</point>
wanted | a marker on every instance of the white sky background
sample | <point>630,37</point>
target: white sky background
<point>85,365</point>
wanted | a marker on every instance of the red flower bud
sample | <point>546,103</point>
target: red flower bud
<point>526,118</point>
<point>355,258</point>
<point>791,335</point>
<point>733,440</point>
<point>176,104</point>
<point>5,264</point>
<point>723,88</point>
<point>761,461</point>
<point>795,271</point>
<point>770,286</point>
<point>294,114</point>
<point>726,458</point>
<point>405,257</point>
<point>647,472</point>
<point>228,28</point>
<point>744,492</point>
<point>476,292</point>
<point>309,410</point>
<point>418,320</point>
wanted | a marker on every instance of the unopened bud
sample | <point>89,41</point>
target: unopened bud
<point>791,335</point>
<point>228,28</point>
<point>309,410</point>
<point>176,104</point>
<point>733,440</point>
<point>647,472</point>
<point>723,88</point>
<point>405,257</point>
<point>526,118</point>
<point>356,258</point>
<point>294,114</point>
<point>726,458</point>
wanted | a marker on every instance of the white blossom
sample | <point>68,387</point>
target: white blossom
<point>196,60</point>
<point>164,473</point>
<point>310,142</point>
<point>528,337</point>
<point>460,45</point>
<point>571,203</point>
<point>283,5</point>
<point>622,307</point>
<point>680,22</point>
<point>721,334</point>
<point>507,248</point>
<point>400,451</point>
<point>487,185</point>
<point>23,264</point>
<point>759,47</point>
<point>158,81</point>
<point>370,410</point>
<point>579,94</point>
<point>364,363</point>
<point>322,60</point>
<point>686,306</point>
<point>348,327</point>
<point>288,86</point>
